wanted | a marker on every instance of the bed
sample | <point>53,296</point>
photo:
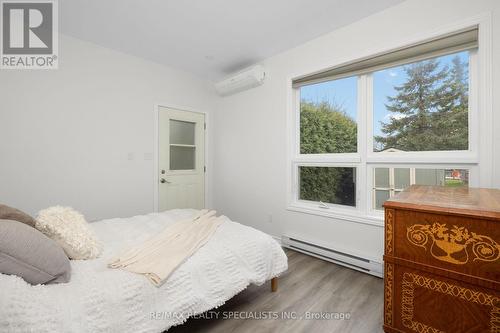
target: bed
<point>99,299</point>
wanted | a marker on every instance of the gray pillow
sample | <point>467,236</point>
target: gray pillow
<point>26,252</point>
<point>9,213</point>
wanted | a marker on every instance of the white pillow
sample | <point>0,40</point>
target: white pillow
<point>70,230</point>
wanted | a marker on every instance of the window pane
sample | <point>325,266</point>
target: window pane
<point>422,106</point>
<point>397,179</point>
<point>380,197</point>
<point>442,177</point>
<point>328,117</point>
<point>336,185</point>
<point>429,177</point>
<point>181,132</point>
<point>182,158</point>
<point>456,177</point>
<point>401,178</point>
<point>382,177</point>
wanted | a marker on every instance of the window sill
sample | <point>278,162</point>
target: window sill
<point>373,220</point>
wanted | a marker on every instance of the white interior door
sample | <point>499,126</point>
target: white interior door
<point>181,159</point>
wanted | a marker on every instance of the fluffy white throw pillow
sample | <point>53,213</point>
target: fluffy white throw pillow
<point>70,230</point>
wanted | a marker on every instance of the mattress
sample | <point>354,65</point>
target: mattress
<point>99,299</point>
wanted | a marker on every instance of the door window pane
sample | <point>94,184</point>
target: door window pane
<point>182,158</point>
<point>422,106</point>
<point>328,117</point>
<point>335,185</point>
<point>182,132</point>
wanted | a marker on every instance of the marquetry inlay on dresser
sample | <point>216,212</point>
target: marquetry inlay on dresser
<point>442,260</point>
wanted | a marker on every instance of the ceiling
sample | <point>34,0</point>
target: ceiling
<point>209,38</point>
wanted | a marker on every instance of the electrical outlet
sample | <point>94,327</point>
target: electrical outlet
<point>269,218</point>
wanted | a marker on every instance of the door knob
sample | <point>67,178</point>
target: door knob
<point>163,181</point>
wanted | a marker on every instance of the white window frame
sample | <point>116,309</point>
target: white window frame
<point>478,159</point>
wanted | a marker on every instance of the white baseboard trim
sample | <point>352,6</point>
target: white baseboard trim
<point>276,238</point>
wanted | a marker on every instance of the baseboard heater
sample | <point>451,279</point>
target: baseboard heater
<point>336,256</point>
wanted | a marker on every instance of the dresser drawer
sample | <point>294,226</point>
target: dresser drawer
<point>416,301</point>
<point>454,243</point>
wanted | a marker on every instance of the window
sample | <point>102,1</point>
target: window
<point>422,106</point>
<point>366,130</point>
<point>182,145</point>
<point>328,117</point>
<point>328,125</point>
<point>388,182</point>
<point>334,185</point>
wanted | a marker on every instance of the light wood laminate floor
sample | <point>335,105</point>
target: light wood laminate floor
<point>311,286</point>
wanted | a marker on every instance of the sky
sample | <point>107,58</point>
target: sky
<point>343,92</point>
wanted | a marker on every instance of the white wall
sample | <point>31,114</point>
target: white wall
<point>65,135</point>
<point>251,133</point>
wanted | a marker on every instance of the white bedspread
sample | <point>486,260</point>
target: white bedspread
<point>100,299</point>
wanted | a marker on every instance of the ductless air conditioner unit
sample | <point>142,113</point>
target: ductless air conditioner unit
<point>337,256</point>
<point>246,79</point>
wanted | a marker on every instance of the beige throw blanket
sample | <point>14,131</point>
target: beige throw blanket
<point>159,256</point>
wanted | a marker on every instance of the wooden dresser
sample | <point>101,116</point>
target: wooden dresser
<point>442,260</point>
